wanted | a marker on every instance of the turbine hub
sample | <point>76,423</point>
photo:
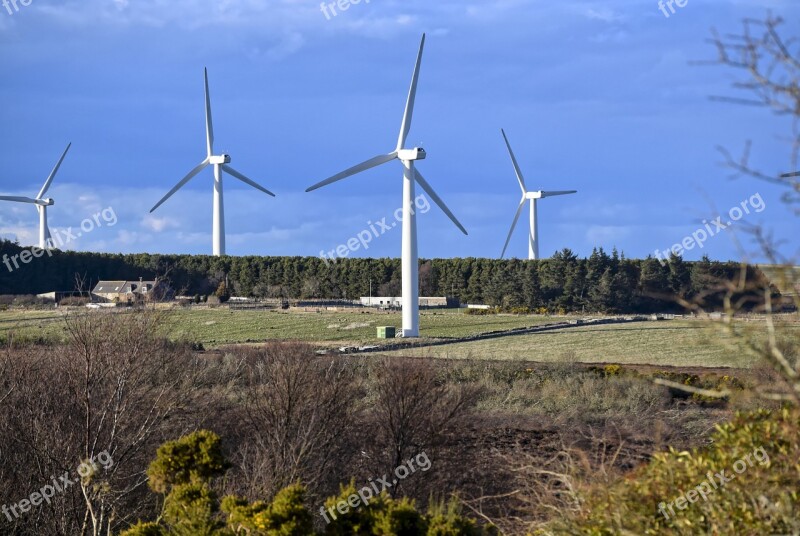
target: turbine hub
<point>417,153</point>
<point>48,202</point>
<point>222,159</point>
<point>533,195</point>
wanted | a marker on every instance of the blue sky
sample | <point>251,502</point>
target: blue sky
<point>595,96</point>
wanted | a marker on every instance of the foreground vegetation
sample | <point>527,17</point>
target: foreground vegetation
<point>731,487</point>
<point>286,415</point>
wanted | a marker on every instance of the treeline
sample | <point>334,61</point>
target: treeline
<point>600,283</point>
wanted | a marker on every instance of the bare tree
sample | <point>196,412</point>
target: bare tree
<point>298,409</point>
<point>413,411</point>
<point>115,391</point>
<point>769,68</point>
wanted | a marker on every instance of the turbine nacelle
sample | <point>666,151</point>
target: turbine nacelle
<point>542,195</point>
<point>219,160</point>
<point>45,202</point>
<point>409,155</point>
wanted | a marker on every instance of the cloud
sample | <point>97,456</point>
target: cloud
<point>158,225</point>
<point>604,14</point>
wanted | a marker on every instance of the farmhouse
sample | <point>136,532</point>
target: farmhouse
<point>129,291</point>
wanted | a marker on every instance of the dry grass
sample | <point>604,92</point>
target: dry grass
<point>670,343</point>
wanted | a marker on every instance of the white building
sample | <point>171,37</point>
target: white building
<point>396,302</point>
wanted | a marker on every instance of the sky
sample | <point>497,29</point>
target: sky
<point>599,97</point>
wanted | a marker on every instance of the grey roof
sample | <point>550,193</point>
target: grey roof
<point>118,287</point>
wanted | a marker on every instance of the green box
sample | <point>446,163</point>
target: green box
<point>386,332</point>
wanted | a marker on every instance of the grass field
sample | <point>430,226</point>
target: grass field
<point>672,343</point>
<point>214,327</point>
<point>675,342</point>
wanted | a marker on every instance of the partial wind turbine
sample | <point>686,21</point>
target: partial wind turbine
<point>220,164</point>
<point>790,175</point>
<point>411,177</point>
<point>45,239</point>
<point>532,198</point>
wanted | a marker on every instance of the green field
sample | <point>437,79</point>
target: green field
<point>674,342</point>
<point>214,327</point>
<point>671,343</point>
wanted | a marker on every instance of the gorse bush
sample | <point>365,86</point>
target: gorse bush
<point>746,482</point>
<point>184,470</point>
<point>193,459</point>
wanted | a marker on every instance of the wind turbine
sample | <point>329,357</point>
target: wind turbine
<point>411,177</point>
<point>532,197</point>
<point>45,239</point>
<point>220,164</point>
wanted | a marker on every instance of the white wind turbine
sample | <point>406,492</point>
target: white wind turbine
<point>220,164</point>
<point>45,239</point>
<point>411,177</point>
<point>533,198</point>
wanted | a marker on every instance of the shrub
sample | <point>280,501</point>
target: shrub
<point>144,529</point>
<point>192,459</point>
<point>763,499</point>
<point>285,516</point>
<point>445,519</point>
<point>185,467</point>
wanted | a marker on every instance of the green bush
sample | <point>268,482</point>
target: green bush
<point>757,452</point>
<point>445,519</point>
<point>192,459</point>
<point>285,516</point>
<point>184,469</point>
<point>144,529</point>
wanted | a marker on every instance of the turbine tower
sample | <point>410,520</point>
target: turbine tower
<point>220,164</point>
<point>411,177</point>
<point>45,239</point>
<point>532,198</point>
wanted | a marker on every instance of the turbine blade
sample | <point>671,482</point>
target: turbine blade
<point>230,171</point>
<point>520,178</point>
<point>789,175</point>
<point>183,181</point>
<point>52,176</point>
<point>16,199</point>
<point>369,164</point>
<point>209,123</point>
<point>412,95</point>
<point>438,200</point>
<point>563,192</point>
<point>513,226</point>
